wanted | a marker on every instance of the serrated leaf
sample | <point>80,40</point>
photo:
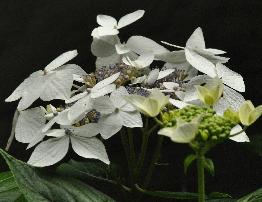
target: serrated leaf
<point>169,194</point>
<point>188,161</point>
<point>9,191</point>
<point>255,196</point>
<point>216,195</point>
<point>39,186</point>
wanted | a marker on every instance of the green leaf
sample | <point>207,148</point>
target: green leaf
<point>168,194</point>
<point>255,196</point>
<point>188,161</point>
<point>209,166</point>
<point>97,169</point>
<point>94,170</point>
<point>9,190</point>
<point>218,195</point>
<point>38,186</point>
<point>222,200</point>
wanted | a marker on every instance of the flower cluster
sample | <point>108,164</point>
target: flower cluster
<point>126,86</point>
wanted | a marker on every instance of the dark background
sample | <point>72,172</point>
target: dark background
<point>32,33</point>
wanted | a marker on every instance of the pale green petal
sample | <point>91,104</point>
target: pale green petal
<point>255,114</point>
<point>244,112</point>
<point>183,133</point>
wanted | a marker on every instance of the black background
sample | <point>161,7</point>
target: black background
<point>32,33</point>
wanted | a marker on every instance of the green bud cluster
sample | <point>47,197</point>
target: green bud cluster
<point>212,127</point>
<point>186,114</point>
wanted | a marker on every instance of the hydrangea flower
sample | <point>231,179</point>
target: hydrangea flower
<point>116,113</point>
<point>151,105</point>
<point>200,57</point>
<point>84,101</point>
<point>54,82</point>
<point>83,142</point>
<point>109,25</point>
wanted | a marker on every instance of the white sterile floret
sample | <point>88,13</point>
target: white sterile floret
<point>200,57</point>
<point>29,126</point>
<point>83,141</point>
<point>110,26</point>
<point>153,76</point>
<point>115,113</point>
<point>142,45</point>
<point>230,78</point>
<point>54,82</point>
<point>84,101</point>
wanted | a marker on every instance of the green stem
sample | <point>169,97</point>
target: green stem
<point>201,175</point>
<point>142,154</point>
<point>154,161</point>
<point>131,148</point>
<point>125,144</point>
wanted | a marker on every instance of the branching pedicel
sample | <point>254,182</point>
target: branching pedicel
<point>193,98</point>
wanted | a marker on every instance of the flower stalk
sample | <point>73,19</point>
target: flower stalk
<point>201,175</point>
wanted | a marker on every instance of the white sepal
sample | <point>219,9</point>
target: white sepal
<point>131,119</point>
<point>242,137</point>
<point>91,148</point>
<point>60,60</point>
<point>29,125</point>
<point>49,152</point>
<point>130,18</point>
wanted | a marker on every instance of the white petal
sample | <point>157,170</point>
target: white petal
<point>196,40</point>
<point>200,63</point>
<point>106,81</point>
<point>88,130</point>
<point>242,137</point>
<point>170,85</point>
<point>122,49</point>
<point>55,133</point>
<point>109,125</point>
<point>140,79</point>
<point>152,77</point>
<point>49,124</point>
<point>233,98</point>
<point>91,148</point>
<point>76,97</point>
<point>60,60</point>
<point>95,93</point>
<point>230,78</point>
<point>143,60</point>
<point>80,108</point>
<point>109,60</point>
<point>32,92</point>
<point>175,57</point>
<point>106,21</point>
<point>215,51</point>
<point>177,103</point>
<point>211,57</point>
<point>29,125</point>
<point>107,31</point>
<point>104,105</point>
<point>58,86</point>
<point>185,67</point>
<point>141,45</point>
<point>49,152</point>
<point>18,92</point>
<point>164,73</point>
<point>221,106</point>
<point>104,46</point>
<point>117,98</point>
<point>131,119</point>
<point>130,18</point>
<point>73,69</point>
